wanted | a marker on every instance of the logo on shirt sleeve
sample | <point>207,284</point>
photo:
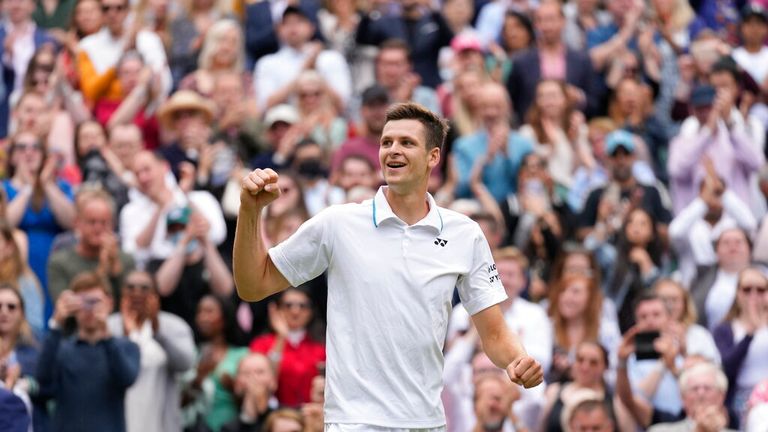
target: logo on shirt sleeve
<point>493,274</point>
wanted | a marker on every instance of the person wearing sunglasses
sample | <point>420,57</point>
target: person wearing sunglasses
<point>742,338</point>
<point>167,349</point>
<point>295,353</point>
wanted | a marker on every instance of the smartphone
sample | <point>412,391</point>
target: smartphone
<point>644,349</point>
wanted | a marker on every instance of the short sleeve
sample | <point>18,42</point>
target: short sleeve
<point>306,254</point>
<point>481,287</point>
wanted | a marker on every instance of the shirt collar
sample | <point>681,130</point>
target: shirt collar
<point>382,212</point>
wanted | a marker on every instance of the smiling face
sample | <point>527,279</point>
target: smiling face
<point>209,318</point>
<point>405,161</point>
<point>589,365</point>
<point>639,228</point>
<point>573,300</point>
<point>296,308</point>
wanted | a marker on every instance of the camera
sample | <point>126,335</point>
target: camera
<point>644,349</point>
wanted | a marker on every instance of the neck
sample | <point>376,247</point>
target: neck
<point>733,267</point>
<point>753,47</point>
<point>7,343</point>
<point>550,46</point>
<point>626,184</point>
<point>90,335</point>
<point>574,331</point>
<point>218,341</point>
<point>410,207</point>
<point>412,13</point>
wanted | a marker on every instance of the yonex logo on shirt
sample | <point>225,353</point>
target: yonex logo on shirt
<point>440,242</point>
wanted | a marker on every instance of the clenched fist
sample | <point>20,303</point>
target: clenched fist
<point>525,371</point>
<point>258,189</point>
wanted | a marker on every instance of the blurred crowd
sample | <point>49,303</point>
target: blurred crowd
<point>613,152</point>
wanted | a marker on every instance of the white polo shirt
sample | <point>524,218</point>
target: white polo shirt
<point>389,298</point>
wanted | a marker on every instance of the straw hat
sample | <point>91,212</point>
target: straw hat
<point>184,100</point>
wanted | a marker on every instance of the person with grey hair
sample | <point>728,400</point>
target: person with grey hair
<point>703,387</point>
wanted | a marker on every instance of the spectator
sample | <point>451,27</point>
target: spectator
<point>109,365</point>
<point>319,114</point>
<point>517,35</point>
<point>758,408</point>
<point>714,287</point>
<point>21,38</point>
<point>608,205</point>
<point>493,401</point>
<point>550,59</point>
<point>691,230</point>
<point>558,131</point>
<point>495,149</point>
<point>97,247</point>
<point>100,165</point>
<point>591,416</point>
<point>38,202</point>
<point>137,101</point>
<point>144,220</point>
<point>237,119</point>
<point>262,23</point>
<point>605,42</point>
<point>284,420</point>
<point>222,51</point>
<point>220,355</point>
<point>654,378</point>
<point>309,163</point>
<point>420,26</point>
<point>752,55</point>
<point>167,349</point>
<point>19,352</point>
<point>338,23</point>
<point>575,305</point>
<point>254,387</point>
<point>695,340</point>
<point>703,388</point>
<point>395,72</point>
<point>15,271</point>
<point>292,350</point>
<point>375,101</point>
<point>741,339</point>
<point>463,107</point>
<point>717,131</point>
<point>280,137</point>
<point>587,375</point>
<point>187,115</point>
<point>188,33</point>
<point>275,74</point>
<point>582,17</point>
<point>633,264</point>
<point>100,52</point>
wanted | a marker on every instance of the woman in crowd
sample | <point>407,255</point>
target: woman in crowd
<point>295,354</point>
<point>558,131</point>
<point>742,338</point>
<point>188,32</point>
<point>575,305</point>
<point>587,376</point>
<point>223,50</point>
<point>99,165</point>
<point>636,262</point>
<point>39,203</point>
<point>517,35</point>
<point>15,271</point>
<point>319,112</point>
<point>220,353</point>
<point>697,340</point>
<point>18,349</point>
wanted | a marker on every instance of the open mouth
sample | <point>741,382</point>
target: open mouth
<point>395,164</point>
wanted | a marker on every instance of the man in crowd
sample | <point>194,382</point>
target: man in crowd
<point>88,373</point>
<point>591,416</point>
<point>97,247</point>
<point>375,100</point>
<point>275,74</point>
<point>167,348</point>
<point>394,71</point>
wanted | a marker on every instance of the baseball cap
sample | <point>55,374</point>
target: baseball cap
<point>375,94</point>
<point>619,138</point>
<point>702,95</point>
<point>293,10</point>
<point>178,216</point>
<point>466,41</point>
<point>281,113</point>
<point>754,10</point>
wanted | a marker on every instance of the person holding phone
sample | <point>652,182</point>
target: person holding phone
<point>108,365</point>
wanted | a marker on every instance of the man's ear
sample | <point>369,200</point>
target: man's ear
<point>434,157</point>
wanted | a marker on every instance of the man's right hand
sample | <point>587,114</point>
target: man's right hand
<point>258,189</point>
<point>67,305</point>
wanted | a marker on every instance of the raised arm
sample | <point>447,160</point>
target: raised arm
<point>256,276</point>
<point>504,348</point>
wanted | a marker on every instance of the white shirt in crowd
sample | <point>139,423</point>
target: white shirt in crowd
<point>720,297</point>
<point>389,296</point>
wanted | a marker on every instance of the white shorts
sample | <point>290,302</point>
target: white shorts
<point>350,427</point>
